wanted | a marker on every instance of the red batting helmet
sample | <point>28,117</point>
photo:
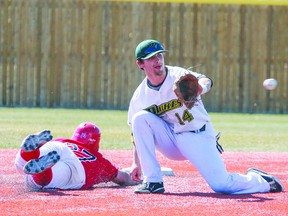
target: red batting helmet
<point>89,134</point>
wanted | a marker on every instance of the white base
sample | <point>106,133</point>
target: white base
<point>166,171</point>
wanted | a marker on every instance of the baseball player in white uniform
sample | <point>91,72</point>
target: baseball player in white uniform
<point>159,121</point>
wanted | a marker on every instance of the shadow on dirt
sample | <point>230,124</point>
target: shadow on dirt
<point>240,197</point>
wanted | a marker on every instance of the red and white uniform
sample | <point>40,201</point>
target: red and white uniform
<point>79,166</point>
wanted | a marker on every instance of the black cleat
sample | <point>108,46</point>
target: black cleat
<point>275,184</point>
<point>151,187</point>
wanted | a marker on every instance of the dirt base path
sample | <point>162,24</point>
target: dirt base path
<point>186,193</point>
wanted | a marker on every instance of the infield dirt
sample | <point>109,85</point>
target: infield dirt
<point>186,193</point>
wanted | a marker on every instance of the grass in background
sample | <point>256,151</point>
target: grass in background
<point>252,132</point>
<point>240,132</point>
<point>17,123</point>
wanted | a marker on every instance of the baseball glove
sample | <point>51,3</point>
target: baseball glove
<point>186,89</point>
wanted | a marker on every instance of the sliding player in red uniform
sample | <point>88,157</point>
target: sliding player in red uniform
<point>65,163</point>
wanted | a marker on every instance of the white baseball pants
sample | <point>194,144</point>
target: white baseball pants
<point>151,133</point>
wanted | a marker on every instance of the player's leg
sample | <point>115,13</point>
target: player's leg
<point>30,148</point>
<point>66,172</point>
<point>201,151</point>
<point>38,169</point>
<point>151,133</point>
<point>57,177</point>
<point>39,159</point>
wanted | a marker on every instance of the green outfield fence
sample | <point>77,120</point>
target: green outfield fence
<point>80,53</point>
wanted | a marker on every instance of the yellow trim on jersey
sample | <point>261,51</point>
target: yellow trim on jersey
<point>164,107</point>
<point>238,2</point>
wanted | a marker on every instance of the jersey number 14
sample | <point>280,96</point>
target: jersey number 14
<point>186,116</point>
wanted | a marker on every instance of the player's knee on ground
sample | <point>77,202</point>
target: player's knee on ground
<point>221,185</point>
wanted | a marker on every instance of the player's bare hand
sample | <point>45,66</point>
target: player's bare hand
<point>135,173</point>
<point>123,178</point>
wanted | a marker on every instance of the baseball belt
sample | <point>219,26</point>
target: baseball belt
<point>200,130</point>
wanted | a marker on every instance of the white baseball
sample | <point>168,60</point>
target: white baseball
<point>270,84</point>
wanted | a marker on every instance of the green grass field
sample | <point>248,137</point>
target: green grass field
<point>240,132</point>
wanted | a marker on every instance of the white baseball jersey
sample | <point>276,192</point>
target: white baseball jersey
<point>165,104</point>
